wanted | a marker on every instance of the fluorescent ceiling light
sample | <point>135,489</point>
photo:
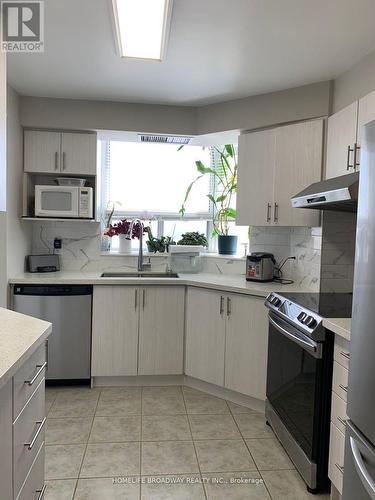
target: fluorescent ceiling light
<point>142,27</point>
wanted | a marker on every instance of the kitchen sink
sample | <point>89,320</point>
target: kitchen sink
<point>137,274</point>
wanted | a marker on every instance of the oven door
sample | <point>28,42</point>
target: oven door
<point>293,373</point>
<point>56,201</point>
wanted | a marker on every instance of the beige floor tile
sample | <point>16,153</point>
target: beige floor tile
<point>168,457</point>
<point>223,456</point>
<point>122,393</point>
<point>253,425</point>
<point>288,485</point>
<point>47,406</point>
<point>116,429</point>
<point>68,430</point>
<point>213,427</point>
<point>72,408</point>
<point>111,459</point>
<point>119,407</point>
<point>60,489</point>
<point>63,461</point>
<point>127,488</point>
<point>165,428</point>
<point>162,401</point>
<point>77,393</point>
<point>269,454</point>
<point>172,488</point>
<point>200,403</point>
<point>239,409</point>
<point>235,486</point>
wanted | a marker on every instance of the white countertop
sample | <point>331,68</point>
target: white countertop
<point>224,282</point>
<point>20,336</point>
<point>340,326</point>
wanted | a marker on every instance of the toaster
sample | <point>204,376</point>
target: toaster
<point>260,266</point>
<point>43,263</point>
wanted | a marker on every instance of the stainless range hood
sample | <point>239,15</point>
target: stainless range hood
<point>339,193</point>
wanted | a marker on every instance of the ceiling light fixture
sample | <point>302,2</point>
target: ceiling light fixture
<point>142,27</point>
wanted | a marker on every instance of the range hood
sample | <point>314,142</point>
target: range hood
<point>339,193</point>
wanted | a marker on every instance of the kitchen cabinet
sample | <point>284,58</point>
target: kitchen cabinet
<point>6,447</point>
<point>342,144</point>
<point>246,345</point>
<point>137,330</point>
<point>366,113</point>
<point>161,330</point>
<point>52,152</point>
<point>114,331</point>
<point>205,335</point>
<point>226,340</point>
<point>274,165</point>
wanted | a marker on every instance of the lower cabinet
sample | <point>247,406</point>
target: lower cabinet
<point>137,330</point>
<point>6,444</point>
<point>226,340</point>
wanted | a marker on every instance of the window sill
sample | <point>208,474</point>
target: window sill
<point>166,255</point>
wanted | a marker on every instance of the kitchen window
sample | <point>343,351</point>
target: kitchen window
<point>149,181</point>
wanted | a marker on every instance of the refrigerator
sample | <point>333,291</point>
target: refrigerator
<point>359,463</point>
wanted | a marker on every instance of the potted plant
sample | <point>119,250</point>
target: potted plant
<point>160,245</point>
<point>194,238</point>
<point>223,213</point>
<point>121,229</point>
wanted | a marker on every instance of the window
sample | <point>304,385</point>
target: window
<point>149,181</point>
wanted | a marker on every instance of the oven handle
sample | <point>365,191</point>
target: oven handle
<point>308,345</point>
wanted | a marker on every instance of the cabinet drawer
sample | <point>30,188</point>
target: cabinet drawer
<point>338,412</point>
<point>341,351</point>
<point>27,379</point>
<point>28,436</point>
<point>34,484</point>
<point>336,457</point>
<point>340,380</point>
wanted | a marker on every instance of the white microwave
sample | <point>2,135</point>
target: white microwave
<point>64,201</point>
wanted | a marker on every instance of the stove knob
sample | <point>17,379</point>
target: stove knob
<point>301,317</point>
<point>310,322</point>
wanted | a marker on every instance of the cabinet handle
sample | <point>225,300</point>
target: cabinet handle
<point>135,298</point>
<point>221,305</point>
<point>348,166</point>
<point>276,213</point>
<point>56,160</point>
<point>41,492</point>
<point>40,424</point>
<point>342,421</point>
<point>64,160</point>
<point>41,368</point>
<point>229,306</point>
<point>345,355</point>
<point>143,298</point>
<point>340,468</point>
<point>356,151</point>
<point>268,212</point>
<point>343,387</point>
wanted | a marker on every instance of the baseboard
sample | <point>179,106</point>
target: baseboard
<point>138,380</point>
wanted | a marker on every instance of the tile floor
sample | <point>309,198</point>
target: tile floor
<point>161,443</point>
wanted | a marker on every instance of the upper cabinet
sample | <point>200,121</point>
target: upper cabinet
<point>366,112</point>
<point>274,165</point>
<point>59,152</point>
<point>342,142</point>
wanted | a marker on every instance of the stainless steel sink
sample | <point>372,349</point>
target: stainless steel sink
<point>137,274</point>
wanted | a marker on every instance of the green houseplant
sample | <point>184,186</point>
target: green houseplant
<point>226,186</point>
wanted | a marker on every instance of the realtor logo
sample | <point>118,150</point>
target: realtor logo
<point>22,26</point>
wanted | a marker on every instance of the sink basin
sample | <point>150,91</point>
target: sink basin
<point>138,274</point>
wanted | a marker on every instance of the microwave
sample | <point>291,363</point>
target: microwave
<point>64,201</point>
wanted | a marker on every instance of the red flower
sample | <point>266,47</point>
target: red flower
<point>123,227</point>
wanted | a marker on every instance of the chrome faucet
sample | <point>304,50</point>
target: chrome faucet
<point>141,265</point>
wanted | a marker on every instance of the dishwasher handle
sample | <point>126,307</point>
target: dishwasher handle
<point>52,290</point>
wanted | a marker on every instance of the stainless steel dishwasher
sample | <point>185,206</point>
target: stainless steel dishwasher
<point>68,308</point>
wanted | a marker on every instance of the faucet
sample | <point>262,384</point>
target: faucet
<point>141,265</point>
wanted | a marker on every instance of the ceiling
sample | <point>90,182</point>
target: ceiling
<point>218,50</point>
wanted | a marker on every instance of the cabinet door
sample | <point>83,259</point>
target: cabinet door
<point>6,448</point>
<point>114,331</point>
<point>299,150</point>
<point>366,114</point>
<point>246,345</point>
<point>42,151</point>
<point>78,153</point>
<point>205,335</point>
<point>161,330</point>
<point>256,162</point>
<point>342,134</point>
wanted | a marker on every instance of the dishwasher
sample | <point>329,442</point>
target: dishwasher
<point>68,308</point>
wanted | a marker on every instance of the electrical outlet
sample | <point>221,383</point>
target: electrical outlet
<point>57,245</point>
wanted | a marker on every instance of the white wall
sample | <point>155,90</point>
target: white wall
<point>18,233</point>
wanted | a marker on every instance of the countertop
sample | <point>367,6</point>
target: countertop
<point>222,282</point>
<point>20,336</point>
<point>340,326</point>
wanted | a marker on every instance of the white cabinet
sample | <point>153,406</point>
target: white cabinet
<point>274,165</point>
<point>205,335</point>
<point>137,330</point>
<point>6,446</point>
<point>366,112</point>
<point>161,330</point>
<point>114,331</point>
<point>59,152</point>
<point>226,340</point>
<point>246,345</point>
<point>342,147</point>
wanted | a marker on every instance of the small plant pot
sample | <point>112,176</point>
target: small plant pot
<point>125,245</point>
<point>227,245</point>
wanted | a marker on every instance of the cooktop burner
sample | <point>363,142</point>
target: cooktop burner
<point>327,305</point>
